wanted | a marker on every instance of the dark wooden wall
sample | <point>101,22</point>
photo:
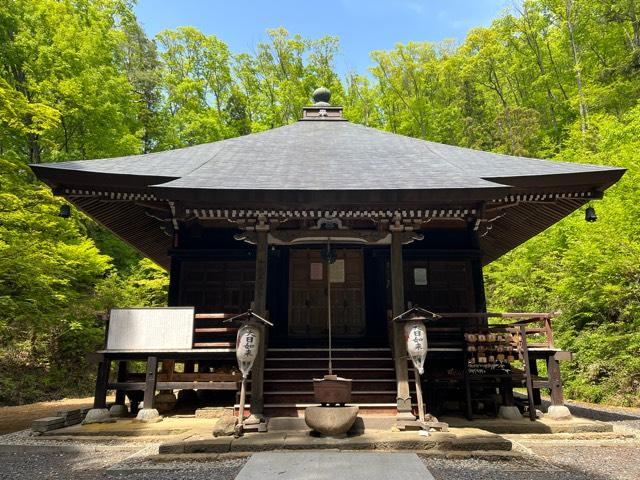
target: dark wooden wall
<point>215,261</point>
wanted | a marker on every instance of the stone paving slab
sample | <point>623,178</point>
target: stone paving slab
<point>524,425</point>
<point>322,465</point>
<point>465,440</point>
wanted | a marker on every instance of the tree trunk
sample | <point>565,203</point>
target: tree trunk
<point>584,121</point>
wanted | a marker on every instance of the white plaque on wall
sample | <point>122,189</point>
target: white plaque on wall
<point>316,271</point>
<point>336,271</point>
<point>420,276</point>
<point>151,329</point>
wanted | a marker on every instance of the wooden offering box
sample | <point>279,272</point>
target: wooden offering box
<point>332,390</point>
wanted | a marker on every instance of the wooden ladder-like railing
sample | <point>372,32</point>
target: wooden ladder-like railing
<point>209,331</point>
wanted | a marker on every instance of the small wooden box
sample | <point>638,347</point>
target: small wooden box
<point>332,390</point>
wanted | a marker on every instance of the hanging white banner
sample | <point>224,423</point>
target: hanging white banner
<point>247,345</point>
<point>416,336</point>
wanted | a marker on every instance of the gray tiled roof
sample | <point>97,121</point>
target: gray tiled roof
<point>326,156</point>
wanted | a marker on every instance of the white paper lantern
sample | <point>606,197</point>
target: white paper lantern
<point>416,336</point>
<point>247,345</point>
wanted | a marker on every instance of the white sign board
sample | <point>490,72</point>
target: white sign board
<point>151,329</point>
<point>419,276</point>
<point>336,271</point>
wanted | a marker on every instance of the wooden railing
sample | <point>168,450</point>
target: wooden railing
<point>536,325</point>
<point>210,332</point>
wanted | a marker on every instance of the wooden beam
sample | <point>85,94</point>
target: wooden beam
<point>403,397</point>
<point>150,384</point>
<point>260,307</point>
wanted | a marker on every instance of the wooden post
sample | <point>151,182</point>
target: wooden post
<point>403,397</point>
<point>419,394</point>
<point>555,382</point>
<point>243,390</point>
<point>260,307</point>
<point>102,380</point>
<point>533,367</point>
<point>527,372</point>
<point>122,377</point>
<point>150,384</point>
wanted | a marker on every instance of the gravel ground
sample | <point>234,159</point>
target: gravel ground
<point>619,462</point>
<point>23,457</point>
<point>548,463</point>
<point>87,465</point>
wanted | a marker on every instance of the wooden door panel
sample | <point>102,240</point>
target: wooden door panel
<point>308,296</point>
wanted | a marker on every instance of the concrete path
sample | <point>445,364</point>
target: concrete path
<point>334,466</point>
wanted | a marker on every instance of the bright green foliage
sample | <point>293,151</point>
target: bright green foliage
<point>80,79</point>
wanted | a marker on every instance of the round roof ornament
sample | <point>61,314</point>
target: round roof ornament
<point>321,96</point>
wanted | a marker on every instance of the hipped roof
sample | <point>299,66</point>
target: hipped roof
<point>324,164</point>
<point>325,156</point>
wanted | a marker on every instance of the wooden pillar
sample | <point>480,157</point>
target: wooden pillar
<point>537,398</point>
<point>102,380</point>
<point>122,377</point>
<point>260,307</point>
<point>555,382</point>
<point>403,397</point>
<point>150,383</point>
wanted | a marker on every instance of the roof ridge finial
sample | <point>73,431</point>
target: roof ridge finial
<point>321,97</point>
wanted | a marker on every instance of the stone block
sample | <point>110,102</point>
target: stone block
<point>558,412</point>
<point>171,448</point>
<point>509,412</point>
<point>212,445</point>
<point>98,415</point>
<point>71,417</point>
<point>118,410</point>
<point>225,426</point>
<point>47,423</point>
<point>483,442</point>
<point>409,441</point>
<point>148,415</point>
<point>259,442</point>
<point>308,441</point>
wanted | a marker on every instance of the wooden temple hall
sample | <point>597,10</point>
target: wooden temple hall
<point>270,221</point>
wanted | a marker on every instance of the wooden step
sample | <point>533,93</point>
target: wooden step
<point>306,385</point>
<point>297,409</point>
<point>309,373</point>
<point>301,397</point>
<point>323,352</point>
<point>323,363</point>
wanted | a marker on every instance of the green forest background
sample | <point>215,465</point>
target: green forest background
<point>80,79</point>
